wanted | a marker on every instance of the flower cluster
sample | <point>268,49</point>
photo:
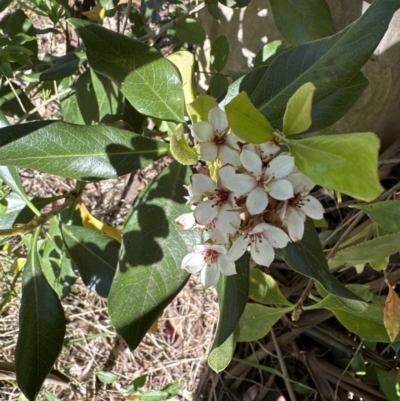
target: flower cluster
<point>257,200</point>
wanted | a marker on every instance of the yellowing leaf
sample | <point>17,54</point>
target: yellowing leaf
<point>184,62</point>
<point>18,265</point>
<point>247,122</point>
<point>380,264</point>
<point>96,13</point>
<point>198,109</point>
<point>180,149</point>
<point>153,328</point>
<point>297,116</point>
<point>391,314</point>
<point>90,221</point>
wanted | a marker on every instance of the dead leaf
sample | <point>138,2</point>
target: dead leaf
<point>391,317</point>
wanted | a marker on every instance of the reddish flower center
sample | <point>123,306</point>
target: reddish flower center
<point>210,256</point>
<point>221,197</point>
<point>220,139</point>
<point>296,201</point>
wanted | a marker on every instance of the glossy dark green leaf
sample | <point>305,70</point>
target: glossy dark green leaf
<point>218,85</point>
<point>10,102</point>
<point>302,21</point>
<point>328,63</point>
<point>4,4</point>
<point>220,357</point>
<point>189,30</point>
<point>389,383</point>
<point>149,81</point>
<point>386,214</point>
<point>149,274</point>
<point>219,52</point>
<point>74,151</point>
<point>69,103</point>
<point>41,328</point>
<point>11,177</point>
<point>95,256</point>
<point>308,259</point>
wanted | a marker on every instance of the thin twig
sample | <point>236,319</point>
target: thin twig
<point>299,305</point>
<point>282,364</point>
<point>49,100</point>
<point>16,95</point>
<point>127,12</point>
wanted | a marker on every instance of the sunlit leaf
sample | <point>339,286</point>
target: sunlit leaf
<point>180,149</point>
<point>391,314</point>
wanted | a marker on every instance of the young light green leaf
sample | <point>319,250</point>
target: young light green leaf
<point>106,377</point>
<point>180,149</point>
<point>184,62</point>
<point>74,151</point>
<point>386,214</point>
<point>151,253</point>
<point>94,254</point>
<point>345,163</point>
<point>307,258</point>
<point>329,62</point>
<point>257,321</point>
<point>148,80</point>
<point>264,289</point>
<point>380,264</point>
<point>268,53</point>
<point>377,248</point>
<point>189,30</point>
<point>221,357</point>
<point>199,108</point>
<point>247,122</point>
<point>302,21</point>
<point>297,118</point>
<point>219,52</point>
<point>41,328</point>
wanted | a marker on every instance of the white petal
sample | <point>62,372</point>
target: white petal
<point>262,252</point>
<point>269,149</point>
<point>295,224</point>
<point>251,147</point>
<point>219,248</point>
<point>210,275</point>
<point>232,140</point>
<point>225,224</point>
<point>203,131</point>
<point>217,118</point>
<point>257,201</point>
<point>259,228</point>
<point>229,156</point>
<point>225,174</point>
<point>202,184</point>
<point>241,184</point>
<point>200,248</point>
<point>226,266</point>
<point>208,151</point>
<point>280,167</point>
<point>312,208</point>
<point>238,248</point>
<point>251,162</point>
<point>301,183</point>
<point>193,262</point>
<point>185,221</point>
<point>276,237</point>
<point>205,212</point>
<point>280,189</point>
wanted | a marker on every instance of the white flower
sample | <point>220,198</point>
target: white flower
<point>211,260</point>
<point>185,221</point>
<point>295,210</point>
<point>215,140</point>
<point>263,238</point>
<point>262,181</point>
<point>217,209</point>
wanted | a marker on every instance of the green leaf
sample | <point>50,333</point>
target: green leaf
<point>137,384</point>
<point>264,289</point>
<point>218,85</point>
<point>386,214</point>
<point>221,357</point>
<point>328,63</point>
<point>219,52</point>
<point>148,80</point>
<point>3,206</point>
<point>86,153</point>
<point>257,321</point>
<point>302,21</point>
<point>189,30</point>
<point>11,177</point>
<point>154,395</point>
<point>308,259</point>
<point>332,108</point>
<point>50,396</point>
<point>389,383</point>
<point>268,53</point>
<point>297,116</point>
<point>95,256</point>
<point>106,377</point>
<point>41,328</point>
<point>149,274</point>
<point>69,103</point>
<point>180,149</point>
<point>377,248</point>
<point>247,122</point>
<point>346,163</point>
<point>199,108</point>
<point>174,388</point>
